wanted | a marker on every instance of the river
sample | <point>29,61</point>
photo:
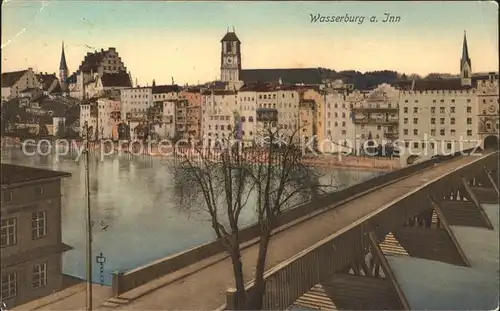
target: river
<point>136,215</point>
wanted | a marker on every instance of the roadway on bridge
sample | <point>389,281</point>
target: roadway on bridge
<point>206,288</point>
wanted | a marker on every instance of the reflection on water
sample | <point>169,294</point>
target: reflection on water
<point>136,218</point>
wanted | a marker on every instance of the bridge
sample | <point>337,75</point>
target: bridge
<point>334,253</point>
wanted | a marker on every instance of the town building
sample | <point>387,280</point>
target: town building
<point>89,119</point>
<point>84,83</point>
<point>15,82</point>
<point>108,117</point>
<point>440,116</point>
<point>167,127</point>
<point>31,238</point>
<point>339,128</point>
<point>193,121</point>
<point>219,113</point>
<point>376,117</point>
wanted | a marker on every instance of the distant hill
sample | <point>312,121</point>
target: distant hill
<point>362,81</point>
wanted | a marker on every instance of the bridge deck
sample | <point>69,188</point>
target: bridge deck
<point>206,288</point>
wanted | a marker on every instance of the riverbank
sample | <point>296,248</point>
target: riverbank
<point>179,153</point>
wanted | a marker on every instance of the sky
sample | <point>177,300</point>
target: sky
<point>160,40</point>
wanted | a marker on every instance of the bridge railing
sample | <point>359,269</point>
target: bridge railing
<point>125,281</point>
<point>289,280</point>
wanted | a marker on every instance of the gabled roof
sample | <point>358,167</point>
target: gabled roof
<point>161,89</point>
<point>121,79</point>
<point>10,78</point>
<point>311,76</point>
<point>46,80</point>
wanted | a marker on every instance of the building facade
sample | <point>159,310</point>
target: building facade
<point>17,81</point>
<point>31,239</point>
<point>219,108</point>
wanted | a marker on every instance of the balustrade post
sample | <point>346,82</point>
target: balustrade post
<point>115,283</point>
<point>231,299</point>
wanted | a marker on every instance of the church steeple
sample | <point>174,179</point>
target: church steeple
<point>63,71</point>
<point>465,63</point>
<point>62,64</point>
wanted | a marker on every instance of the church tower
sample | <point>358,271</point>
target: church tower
<point>63,71</point>
<point>465,64</point>
<point>230,57</point>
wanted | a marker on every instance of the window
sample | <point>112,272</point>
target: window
<point>8,231</point>
<point>405,120</point>
<point>9,285</point>
<point>7,196</point>
<point>405,110</point>
<point>415,132</point>
<point>415,120</point>
<point>344,132</point>
<point>452,121</point>
<point>433,109</point>
<point>343,123</point>
<point>415,110</point>
<point>433,132</point>
<point>432,145</point>
<point>469,109</point>
<point>441,132</point>
<point>39,190</point>
<point>469,132</point>
<point>407,144</point>
<point>39,275</point>
<point>469,120</point>
<point>448,145</point>
<point>415,145</point>
<point>452,109</point>
<point>38,225</point>
<point>441,109</point>
<point>433,120</point>
<point>441,120</point>
<point>405,131</point>
<point>452,132</point>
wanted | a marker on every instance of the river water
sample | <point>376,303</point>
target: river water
<point>134,208</point>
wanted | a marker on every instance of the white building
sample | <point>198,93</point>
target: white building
<point>88,116</point>
<point>167,128</point>
<point>15,82</point>
<point>441,116</point>
<point>339,128</point>
<point>108,117</point>
<point>135,103</point>
<point>219,109</point>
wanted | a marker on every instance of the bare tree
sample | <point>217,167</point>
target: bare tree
<point>221,179</point>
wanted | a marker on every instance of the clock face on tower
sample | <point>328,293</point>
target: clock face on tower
<point>229,60</point>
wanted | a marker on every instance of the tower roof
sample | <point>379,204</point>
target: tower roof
<point>62,65</point>
<point>465,49</point>
<point>230,36</point>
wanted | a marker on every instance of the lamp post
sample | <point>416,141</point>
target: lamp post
<point>89,221</point>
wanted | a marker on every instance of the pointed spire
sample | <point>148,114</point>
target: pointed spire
<point>233,29</point>
<point>62,65</point>
<point>465,49</point>
<point>154,83</point>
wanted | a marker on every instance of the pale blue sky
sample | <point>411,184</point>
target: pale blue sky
<point>181,39</point>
